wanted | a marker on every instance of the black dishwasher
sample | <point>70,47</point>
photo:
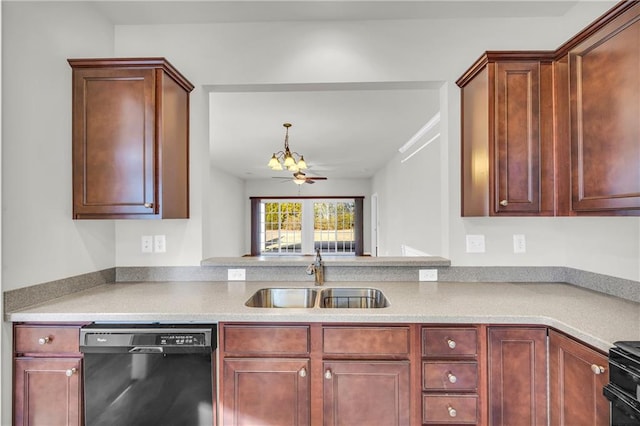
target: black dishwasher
<point>148,374</point>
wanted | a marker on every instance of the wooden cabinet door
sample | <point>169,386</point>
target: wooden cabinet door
<point>507,136</point>
<point>266,391</point>
<point>605,118</point>
<point>517,376</point>
<point>114,128</point>
<point>516,171</point>
<point>47,391</point>
<point>366,393</point>
<point>577,376</point>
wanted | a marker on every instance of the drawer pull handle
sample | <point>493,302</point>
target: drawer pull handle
<point>452,411</point>
<point>504,203</point>
<point>44,340</point>
<point>328,375</point>
<point>597,369</point>
<point>148,205</point>
<point>303,372</point>
<point>71,372</point>
<point>451,343</point>
<point>452,378</point>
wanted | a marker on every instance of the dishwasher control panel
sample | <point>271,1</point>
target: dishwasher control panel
<point>133,338</point>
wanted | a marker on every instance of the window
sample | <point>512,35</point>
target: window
<point>281,227</point>
<point>296,226</point>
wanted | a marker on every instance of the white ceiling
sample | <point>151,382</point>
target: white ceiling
<point>341,133</point>
<point>208,11</point>
<point>344,131</point>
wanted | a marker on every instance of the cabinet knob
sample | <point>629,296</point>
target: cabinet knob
<point>452,378</point>
<point>148,205</point>
<point>452,411</point>
<point>328,375</point>
<point>451,343</point>
<point>302,372</point>
<point>71,372</point>
<point>597,369</point>
<point>44,340</point>
<point>504,203</point>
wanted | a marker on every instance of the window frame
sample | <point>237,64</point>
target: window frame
<point>358,220</point>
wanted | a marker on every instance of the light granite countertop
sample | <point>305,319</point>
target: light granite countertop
<point>595,318</point>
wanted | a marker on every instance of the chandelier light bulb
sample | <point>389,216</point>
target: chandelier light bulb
<point>302,165</point>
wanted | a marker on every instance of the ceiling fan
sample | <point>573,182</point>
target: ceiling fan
<point>299,178</point>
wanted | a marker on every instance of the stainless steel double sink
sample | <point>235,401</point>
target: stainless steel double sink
<point>334,297</point>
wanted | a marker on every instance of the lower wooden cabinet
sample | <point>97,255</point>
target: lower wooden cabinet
<point>319,375</point>
<point>517,377</point>
<point>268,391</point>
<point>366,393</point>
<point>451,389</point>
<point>577,375</point>
<point>47,386</point>
<point>47,391</point>
<point>369,374</point>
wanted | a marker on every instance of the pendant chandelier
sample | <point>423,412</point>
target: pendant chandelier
<point>286,159</point>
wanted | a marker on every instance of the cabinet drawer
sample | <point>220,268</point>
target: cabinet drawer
<point>455,409</point>
<point>266,339</point>
<point>449,341</point>
<point>47,339</point>
<point>462,376</point>
<point>380,341</point>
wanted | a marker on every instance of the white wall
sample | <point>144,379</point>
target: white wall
<point>40,241</point>
<point>416,50</point>
<point>226,225</point>
<point>409,191</point>
<point>45,243</point>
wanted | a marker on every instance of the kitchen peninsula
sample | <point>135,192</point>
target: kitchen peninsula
<point>484,318</point>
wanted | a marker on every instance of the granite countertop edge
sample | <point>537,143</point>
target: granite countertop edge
<point>594,318</point>
<point>339,261</point>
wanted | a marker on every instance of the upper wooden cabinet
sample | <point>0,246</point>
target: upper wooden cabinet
<point>507,138</point>
<point>130,139</point>
<point>556,132</point>
<point>604,87</point>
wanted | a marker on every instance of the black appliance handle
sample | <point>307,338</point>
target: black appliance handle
<point>146,350</point>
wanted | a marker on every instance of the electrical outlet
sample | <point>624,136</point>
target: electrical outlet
<point>236,274</point>
<point>475,244</point>
<point>159,244</point>
<point>147,244</point>
<point>428,275</point>
<point>519,243</point>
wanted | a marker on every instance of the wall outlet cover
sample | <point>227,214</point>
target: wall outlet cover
<point>147,244</point>
<point>236,274</point>
<point>428,275</point>
<point>475,244</point>
<point>159,244</point>
<point>519,243</point>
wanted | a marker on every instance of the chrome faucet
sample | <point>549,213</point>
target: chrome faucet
<point>317,269</point>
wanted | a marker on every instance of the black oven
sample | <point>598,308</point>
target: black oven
<point>623,389</point>
<point>148,374</point>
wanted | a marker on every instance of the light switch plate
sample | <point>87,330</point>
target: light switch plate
<point>475,244</point>
<point>236,274</point>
